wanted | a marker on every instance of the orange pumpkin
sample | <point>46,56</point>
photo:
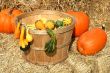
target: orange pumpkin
<point>81,22</point>
<point>12,11</point>
<point>91,42</point>
<point>7,20</point>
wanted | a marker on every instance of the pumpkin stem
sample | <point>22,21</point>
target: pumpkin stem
<point>103,27</point>
<point>11,10</point>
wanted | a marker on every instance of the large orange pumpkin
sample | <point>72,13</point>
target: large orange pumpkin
<point>7,20</point>
<point>91,42</point>
<point>82,22</point>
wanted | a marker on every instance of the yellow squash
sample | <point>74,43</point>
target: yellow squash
<point>28,36</point>
<point>50,24</point>
<point>39,25</point>
<point>67,21</point>
<point>22,41</point>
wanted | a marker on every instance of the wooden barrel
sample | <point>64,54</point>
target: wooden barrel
<point>37,54</point>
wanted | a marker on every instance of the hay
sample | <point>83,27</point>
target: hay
<point>104,63</point>
<point>11,60</point>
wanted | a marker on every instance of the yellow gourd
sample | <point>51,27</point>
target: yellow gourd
<point>28,36</point>
<point>39,25</point>
<point>44,20</point>
<point>50,24</point>
<point>22,41</point>
<point>67,21</point>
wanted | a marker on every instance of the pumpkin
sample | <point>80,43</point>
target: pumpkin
<point>12,11</point>
<point>81,22</point>
<point>92,41</point>
<point>7,20</point>
<point>5,23</point>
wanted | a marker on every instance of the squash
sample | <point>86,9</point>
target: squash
<point>59,23</point>
<point>67,21</point>
<point>21,41</point>
<point>39,25</point>
<point>17,31</point>
<point>7,20</point>
<point>24,46</point>
<point>28,36</point>
<point>50,24</point>
<point>91,42</point>
<point>81,22</point>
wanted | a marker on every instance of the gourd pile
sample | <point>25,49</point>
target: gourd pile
<point>41,24</point>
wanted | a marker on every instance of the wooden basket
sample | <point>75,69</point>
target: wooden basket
<point>37,54</point>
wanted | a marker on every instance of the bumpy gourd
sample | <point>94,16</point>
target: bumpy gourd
<point>39,25</point>
<point>50,24</point>
<point>67,21</point>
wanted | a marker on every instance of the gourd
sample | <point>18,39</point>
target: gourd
<point>17,31</point>
<point>50,24</point>
<point>67,21</point>
<point>23,43</point>
<point>28,36</point>
<point>81,22</point>
<point>59,23</point>
<point>39,25</point>
<point>91,42</point>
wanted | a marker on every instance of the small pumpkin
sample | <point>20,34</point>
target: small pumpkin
<point>39,25</point>
<point>67,21</point>
<point>81,22</point>
<point>7,20</point>
<point>50,24</point>
<point>59,23</point>
<point>91,42</point>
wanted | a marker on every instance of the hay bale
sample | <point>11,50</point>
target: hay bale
<point>79,64</point>
<point>61,68</point>
<point>104,63</point>
<point>91,60</point>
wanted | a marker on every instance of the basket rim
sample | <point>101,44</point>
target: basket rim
<point>43,32</point>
